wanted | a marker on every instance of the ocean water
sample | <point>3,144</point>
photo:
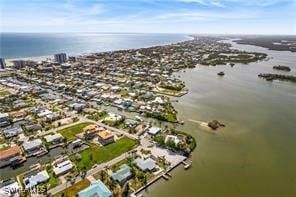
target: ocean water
<point>21,45</point>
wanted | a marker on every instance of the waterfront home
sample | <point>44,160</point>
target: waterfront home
<point>122,175</point>
<point>172,138</point>
<point>77,143</point>
<point>62,167</point>
<point>12,131</point>
<point>154,130</point>
<point>33,180</point>
<point>9,188</point>
<point>9,155</point>
<point>105,137</point>
<point>146,164</point>
<point>4,119</point>
<point>97,188</point>
<point>158,100</point>
<point>54,139</point>
<point>32,146</point>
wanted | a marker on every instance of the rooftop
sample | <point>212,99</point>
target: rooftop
<point>122,174</point>
<point>3,115</point>
<point>105,134</point>
<point>36,179</point>
<point>96,189</point>
<point>154,130</point>
<point>50,138</point>
<point>63,167</point>
<point>10,152</point>
<point>147,164</point>
<point>90,128</point>
<point>32,144</point>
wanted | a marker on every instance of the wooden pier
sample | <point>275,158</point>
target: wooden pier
<point>165,175</point>
<point>187,165</point>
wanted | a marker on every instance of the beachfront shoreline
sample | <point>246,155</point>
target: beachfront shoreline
<point>50,56</point>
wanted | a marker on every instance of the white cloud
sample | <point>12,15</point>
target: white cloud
<point>189,15</point>
<point>221,3</point>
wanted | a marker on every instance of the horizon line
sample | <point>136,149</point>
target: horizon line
<point>183,33</point>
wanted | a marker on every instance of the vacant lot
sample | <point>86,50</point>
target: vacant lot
<point>70,132</point>
<point>97,155</point>
<point>74,189</point>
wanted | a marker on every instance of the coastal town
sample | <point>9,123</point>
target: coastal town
<point>100,124</point>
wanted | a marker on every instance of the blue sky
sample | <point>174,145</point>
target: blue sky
<point>157,16</point>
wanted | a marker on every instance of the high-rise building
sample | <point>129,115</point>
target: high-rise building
<point>61,57</point>
<point>2,63</point>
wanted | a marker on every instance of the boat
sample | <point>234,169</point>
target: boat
<point>41,153</point>
<point>221,73</point>
<point>16,163</point>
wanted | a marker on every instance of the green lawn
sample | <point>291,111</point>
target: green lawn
<point>53,181</point>
<point>139,178</point>
<point>97,155</point>
<point>171,117</point>
<point>74,189</point>
<point>70,132</point>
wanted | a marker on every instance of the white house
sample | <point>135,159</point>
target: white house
<point>173,138</point>
<point>154,130</point>
<point>53,139</point>
<point>34,180</point>
<point>32,145</point>
<point>63,167</point>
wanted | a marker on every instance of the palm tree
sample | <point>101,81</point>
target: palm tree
<point>125,189</point>
<point>83,172</point>
<point>145,179</point>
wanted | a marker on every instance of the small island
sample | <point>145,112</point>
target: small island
<point>215,124</point>
<point>271,77</point>
<point>282,68</point>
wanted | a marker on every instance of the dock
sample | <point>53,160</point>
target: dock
<point>187,165</point>
<point>165,175</point>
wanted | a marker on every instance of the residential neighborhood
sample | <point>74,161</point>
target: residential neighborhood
<point>102,123</point>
